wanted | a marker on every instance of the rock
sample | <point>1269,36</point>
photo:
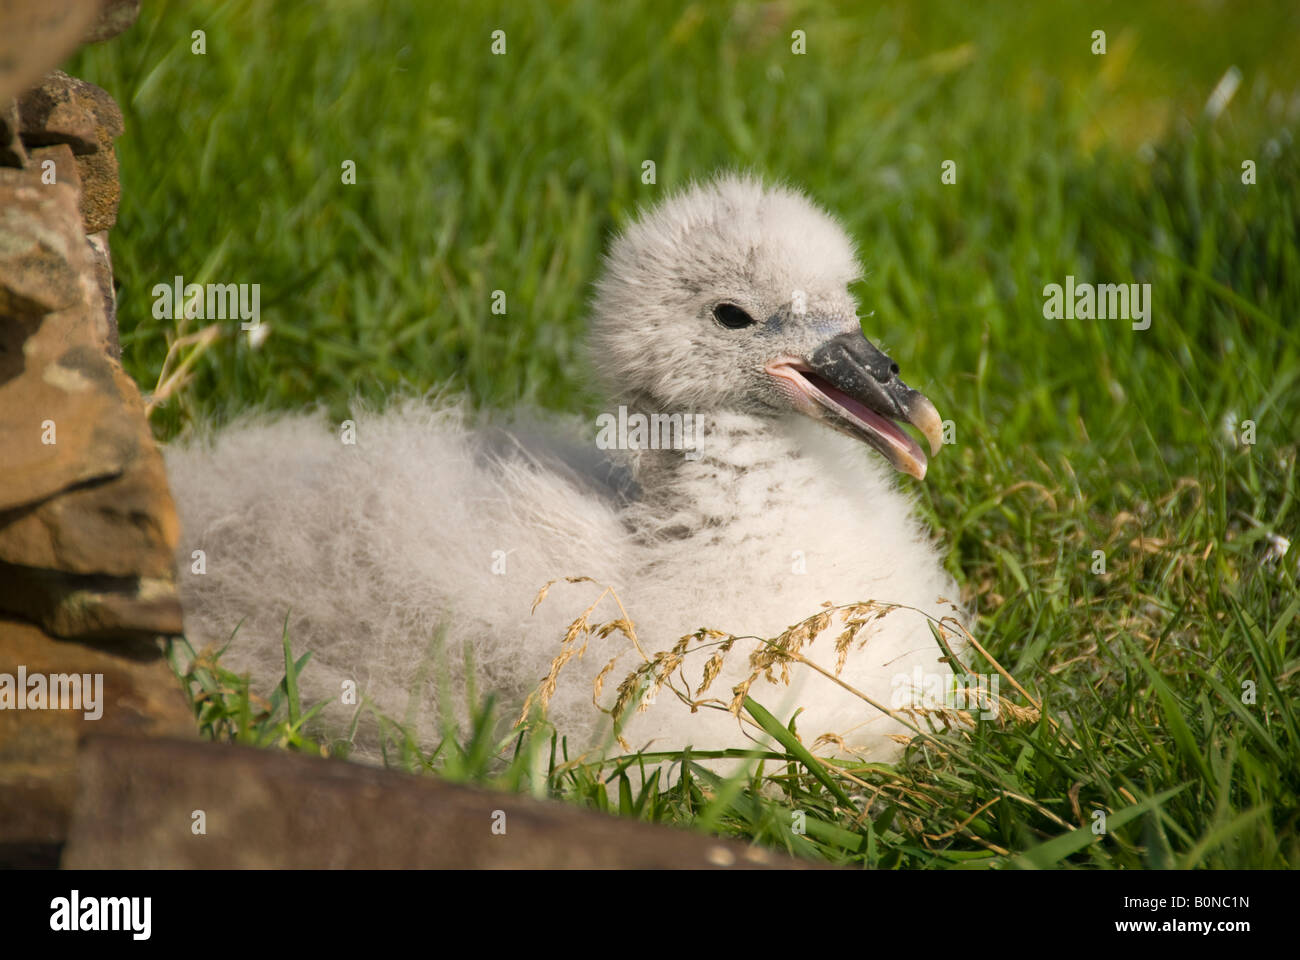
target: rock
<point>87,525</point>
<point>35,35</point>
<point>38,748</point>
<point>42,299</point>
<point>109,526</point>
<point>36,276</point>
<point>63,109</point>
<point>91,608</point>
<point>101,258</point>
<point>65,169</point>
<point>100,189</point>
<point>268,808</point>
<point>12,152</point>
<point>115,16</point>
<point>47,119</point>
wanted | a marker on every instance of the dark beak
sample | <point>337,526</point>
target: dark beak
<point>855,388</point>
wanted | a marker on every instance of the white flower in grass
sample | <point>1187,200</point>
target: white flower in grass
<point>257,335</point>
<point>1229,427</point>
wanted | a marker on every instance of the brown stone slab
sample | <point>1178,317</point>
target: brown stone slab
<point>63,165</point>
<point>64,109</point>
<point>101,191</point>
<point>12,151</point>
<point>101,257</point>
<point>139,696</point>
<point>137,802</point>
<point>37,34</point>
<point>115,16</point>
<point>88,530</point>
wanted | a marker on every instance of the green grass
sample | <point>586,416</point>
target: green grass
<point>477,173</point>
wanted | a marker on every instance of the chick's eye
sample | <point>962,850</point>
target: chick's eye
<point>731,316</point>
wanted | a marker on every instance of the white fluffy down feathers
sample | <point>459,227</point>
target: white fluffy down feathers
<point>432,526</point>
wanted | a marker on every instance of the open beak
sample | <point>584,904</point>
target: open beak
<point>854,388</point>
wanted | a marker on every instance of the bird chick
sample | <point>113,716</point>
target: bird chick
<point>727,304</point>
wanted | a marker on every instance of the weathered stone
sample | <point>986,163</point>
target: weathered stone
<point>35,35</point>
<point>38,224</point>
<point>100,188</point>
<point>64,167</point>
<point>12,152</point>
<point>101,258</point>
<point>266,808</point>
<point>87,526</point>
<point>115,16</point>
<point>38,748</point>
<point>66,111</point>
<point>63,109</point>
<point>109,526</point>
<point>91,607</point>
<point>48,118</point>
<point>43,260</point>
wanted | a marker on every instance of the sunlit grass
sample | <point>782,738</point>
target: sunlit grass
<point>1168,682</point>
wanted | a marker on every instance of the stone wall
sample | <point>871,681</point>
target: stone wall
<point>87,525</point>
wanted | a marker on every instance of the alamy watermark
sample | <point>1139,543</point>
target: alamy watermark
<point>75,913</point>
<point>658,431</point>
<point>54,691</point>
<point>919,690</point>
<point>209,301</point>
<point>1105,301</point>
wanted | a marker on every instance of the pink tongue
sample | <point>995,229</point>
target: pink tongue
<point>866,415</point>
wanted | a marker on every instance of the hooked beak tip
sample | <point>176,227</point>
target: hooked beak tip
<point>922,414</point>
